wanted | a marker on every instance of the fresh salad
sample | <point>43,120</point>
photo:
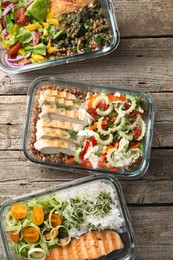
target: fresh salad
<point>31,33</point>
<point>98,131</point>
<point>39,224</point>
<point>114,139</point>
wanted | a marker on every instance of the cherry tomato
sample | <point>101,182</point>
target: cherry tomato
<point>14,237</point>
<point>19,211</point>
<point>35,38</point>
<point>56,220</point>
<point>20,17</point>
<point>14,50</point>
<point>38,215</point>
<point>31,234</point>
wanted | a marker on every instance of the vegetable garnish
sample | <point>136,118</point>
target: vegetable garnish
<point>32,27</point>
<point>51,222</point>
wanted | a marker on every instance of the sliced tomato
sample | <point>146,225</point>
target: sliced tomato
<point>14,49</point>
<point>20,17</point>
<point>101,162</point>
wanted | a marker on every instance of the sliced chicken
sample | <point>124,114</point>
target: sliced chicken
<point>53,100</point>
<point>89,246</point>
<point>59,124</point>
<point>54,146</point>
<point>58,93</point>
<point>62,114</point>
<point>47,132</point>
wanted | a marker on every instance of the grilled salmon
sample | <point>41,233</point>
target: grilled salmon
<point>88,246</point>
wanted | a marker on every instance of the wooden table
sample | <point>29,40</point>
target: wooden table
<point>144,61</point>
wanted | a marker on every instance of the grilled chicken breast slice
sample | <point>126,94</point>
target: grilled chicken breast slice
<point>54,146</point>
<point>58,93</point>
<point>47,132</point>
<point>45,122</point>
<point>88,246</point>
<point>54,100</point>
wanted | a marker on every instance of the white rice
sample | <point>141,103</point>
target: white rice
<point>113,220</point>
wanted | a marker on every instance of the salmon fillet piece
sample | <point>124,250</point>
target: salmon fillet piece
<point>88,246</point>
<point>59,7</point>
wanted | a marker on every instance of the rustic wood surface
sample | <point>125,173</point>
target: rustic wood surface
<point>144,61</point>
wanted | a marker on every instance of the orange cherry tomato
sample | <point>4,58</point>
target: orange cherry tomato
<point>56,220</point>
<point>31,234</point>
<point>19,211</point>
<point>38,215</point>
<point>14,237</point>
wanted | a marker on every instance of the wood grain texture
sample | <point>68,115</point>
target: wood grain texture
<point>144,17</point>
<point>144,64</point>
<point>19,176</point>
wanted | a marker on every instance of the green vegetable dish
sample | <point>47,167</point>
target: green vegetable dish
<point>32,32</point>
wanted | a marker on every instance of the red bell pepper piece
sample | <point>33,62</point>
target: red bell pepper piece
<point>93,141</point>
<point>86,164</point>
<point>81,156</point>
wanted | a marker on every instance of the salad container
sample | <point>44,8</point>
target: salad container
<point>31,62</point>
<point>99,149</point>
<point>76,191</point>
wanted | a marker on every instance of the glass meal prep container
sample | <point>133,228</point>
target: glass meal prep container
<point>91,205</point>
<point>63,130</point>
<point>68,55</point>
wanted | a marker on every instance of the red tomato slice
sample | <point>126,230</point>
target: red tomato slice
<point>14,50</point>
<point>93,141</point>
<point>20,17</point>
<point>102,105</point>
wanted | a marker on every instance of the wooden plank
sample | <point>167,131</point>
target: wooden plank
<point>156,186</point>
<point>145,64</point>
<point>144,17</point>
<point>153,231</point>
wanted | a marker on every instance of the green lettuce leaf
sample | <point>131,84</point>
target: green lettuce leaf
<point>23,35</point>
<point>38,9</point>
<point>38,49</point>
<point>8,22</point>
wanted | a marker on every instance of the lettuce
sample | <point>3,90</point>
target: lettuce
<point>8,23</point>
<point>38,49</point>
<point>38,9</point>
<point>23,35</point>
